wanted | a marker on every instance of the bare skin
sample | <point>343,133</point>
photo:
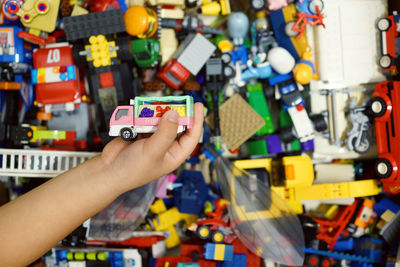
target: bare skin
<point>35,222</point>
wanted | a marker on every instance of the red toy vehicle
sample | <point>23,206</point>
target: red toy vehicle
<point>385,107</point>
<point>174,74</point>
<point>55,77</point>
<point>389,31</point>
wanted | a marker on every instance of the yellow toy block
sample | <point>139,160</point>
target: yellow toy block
<point>39,15</point>
<point>158,206</point>
<point>219,253</point>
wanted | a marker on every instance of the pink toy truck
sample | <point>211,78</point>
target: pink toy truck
<point>144,114</point>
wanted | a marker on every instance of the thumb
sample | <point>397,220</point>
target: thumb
<point>162,139</point>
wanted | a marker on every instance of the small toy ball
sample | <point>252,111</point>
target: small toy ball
<point>238,26</point>
<point>281,60</point>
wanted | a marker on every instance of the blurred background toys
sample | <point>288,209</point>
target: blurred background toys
<point>289,169</point>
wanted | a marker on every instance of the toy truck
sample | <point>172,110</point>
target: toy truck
<point>144,114</point>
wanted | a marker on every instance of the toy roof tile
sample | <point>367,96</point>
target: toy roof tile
<point>84,26</point>
<point>238,121</point>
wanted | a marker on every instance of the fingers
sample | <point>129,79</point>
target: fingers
<point>162,139</point>
<point>188,141</point>
<point>112,149</point>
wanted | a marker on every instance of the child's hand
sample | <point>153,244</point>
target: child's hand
<point>130,165</point>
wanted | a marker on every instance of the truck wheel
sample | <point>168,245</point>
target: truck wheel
<point>384,24</point>
<point>376,107</point>
<point>385,61</point>
<point>203,232</point>
<point>319,122</point>
<point>312,261</point>
<point>127,134</point>
<point>217,237</point>
<point>226,57</point>
<point>229,72</point>
<point>383,168</point>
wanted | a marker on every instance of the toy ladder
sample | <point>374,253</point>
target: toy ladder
<point>39,163</point>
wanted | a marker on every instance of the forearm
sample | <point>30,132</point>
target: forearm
<point>38,220</point>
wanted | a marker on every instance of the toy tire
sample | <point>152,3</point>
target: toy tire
<point>319,122</point>
<point>127,134</point>
<point>384,24</point>
<point>385,61</point>
<point>217,237</point>
<point>288,29</point>
<point>124,49</point>
<point>226,58</point>
<point>203,232</point>
<point>257,4</point>
<point>229,72</point>
<point>312,261</point>
<point>313,4</point>
<point>377,107</point>
<point>383,168</point>
<point>286,135</point>
<point>363,147</point>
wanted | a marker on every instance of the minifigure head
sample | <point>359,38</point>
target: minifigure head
<point>238,26</point>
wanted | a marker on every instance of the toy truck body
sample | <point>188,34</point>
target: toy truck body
<point>144,114</point>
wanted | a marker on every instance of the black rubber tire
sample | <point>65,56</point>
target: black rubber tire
<point>215,234</point>
<point>257,4</point>
<point>319,122</point>
<point>365,146</point>
<point>385,61</point>
<point>379,168</point>
<point>226,58</point>
<point>286,134</point>
<point>311,7</point>
<point>376,107</point>
<point>127,134</point>
<point>199,230</point>
<point>229,72</point>
<point>384,24</point>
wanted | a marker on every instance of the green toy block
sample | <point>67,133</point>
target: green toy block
<point>257,101</point>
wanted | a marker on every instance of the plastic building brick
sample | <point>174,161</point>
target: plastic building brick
<point>329,230</point>
<point>39,15</point>
<point>32,163</point>
<point>258,102</point>
<point>386,204</point>
<point>342,63</point>
<point>82,27</point>
<point>174,74</point>
<point>218,252</point>
<point>145,52</point>
<point>383,107</point>
<point>169,44</point>
<point>193,52</point>
<point>166,221</point>
<point>190,24</point>
<point>191,196</point>
<point>239,260</point>
<point>145,114</point>
<point>365,217</point>
<point>55,76</point>
<point>236,130</point>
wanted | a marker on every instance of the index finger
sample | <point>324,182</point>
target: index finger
<point>182,148</point>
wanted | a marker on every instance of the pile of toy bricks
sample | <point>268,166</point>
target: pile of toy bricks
<point>302,94</point>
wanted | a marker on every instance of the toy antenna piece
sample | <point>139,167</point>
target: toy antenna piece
<point>260,218</point>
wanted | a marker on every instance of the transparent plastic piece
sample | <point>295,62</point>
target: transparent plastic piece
<point>261,219</point>
<point>123,216</point>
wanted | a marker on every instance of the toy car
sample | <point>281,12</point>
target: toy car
<point>384,107</point>
<point>388,28</point>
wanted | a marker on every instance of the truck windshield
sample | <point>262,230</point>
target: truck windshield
<point>121,113</point>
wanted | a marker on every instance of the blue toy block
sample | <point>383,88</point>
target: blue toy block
<point>17,53</point>
<point>274,144</point>
<point>190,198</point>
<point>307,146</point>
<point>239,260</point>
<point>385,204</point>
<point>280,78</point>
<point>344,245</point>
<point>218,252</point>
<point>239,54</point>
